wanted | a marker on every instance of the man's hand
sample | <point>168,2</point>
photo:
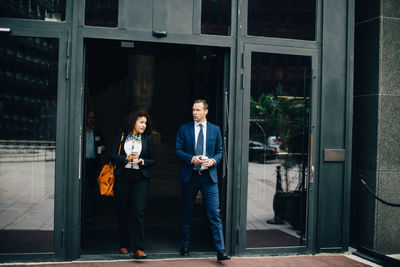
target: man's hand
<point>196,160</point>
<point>205,161</point>
<point>208,163</point>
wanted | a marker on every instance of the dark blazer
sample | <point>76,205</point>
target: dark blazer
<point>185,149</point>
<point>147,154</point>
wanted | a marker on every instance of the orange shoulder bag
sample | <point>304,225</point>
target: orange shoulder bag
<point>106,176</point>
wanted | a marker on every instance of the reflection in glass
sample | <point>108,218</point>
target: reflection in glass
<point>293,19</point>
<point>216,17</point>
<point>101,13</point>
<point>50,10</point>
<point>278,150</point>
<point>28,102</point>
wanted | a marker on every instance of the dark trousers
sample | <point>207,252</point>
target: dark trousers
<point>210,194</point>
<point>131,188</point>
<point>89,186</point>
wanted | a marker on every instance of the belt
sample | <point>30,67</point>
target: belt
<point>201,172</point>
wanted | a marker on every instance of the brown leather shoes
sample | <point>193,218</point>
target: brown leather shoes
<point>139,254</point>
<point>123,251</point>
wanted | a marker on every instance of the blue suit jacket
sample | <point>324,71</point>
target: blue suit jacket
<point>185,149</point>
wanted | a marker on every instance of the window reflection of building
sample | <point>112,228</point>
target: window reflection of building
<point>28,108</point>
<point>53,10</point>
<point>294,19</point>
<point>28,80</point>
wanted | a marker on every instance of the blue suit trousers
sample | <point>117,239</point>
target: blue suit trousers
<point>209,190</point>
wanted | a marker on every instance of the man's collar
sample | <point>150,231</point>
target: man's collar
<point>196,123</point>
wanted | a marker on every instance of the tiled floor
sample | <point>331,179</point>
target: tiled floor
<point>27,195</point>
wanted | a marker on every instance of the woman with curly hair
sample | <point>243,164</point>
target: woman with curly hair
<point>132,179</point>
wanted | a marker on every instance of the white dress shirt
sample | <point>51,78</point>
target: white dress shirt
<point>90,144</point>
<point>196,135</point>
<point>132,146</point>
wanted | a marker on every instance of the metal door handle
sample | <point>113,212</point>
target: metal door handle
<point>310,163</point>
<point>5,30</point>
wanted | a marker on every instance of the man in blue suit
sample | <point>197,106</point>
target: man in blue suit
<point>199,148</point>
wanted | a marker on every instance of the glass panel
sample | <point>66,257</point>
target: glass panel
<point>293,19</point>
<point>101,13</point>
<point>28,103</point>
<point>216,17</point>
<point>278,150</point>
<point>50,10</point>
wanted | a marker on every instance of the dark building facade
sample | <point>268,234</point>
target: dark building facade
<point>376,104</point>
<point>278,76</point>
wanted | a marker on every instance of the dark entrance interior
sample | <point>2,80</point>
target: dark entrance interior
<point>163,79</point>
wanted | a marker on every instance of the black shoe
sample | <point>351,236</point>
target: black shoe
<point>222,256</point>
<point>184,250</point>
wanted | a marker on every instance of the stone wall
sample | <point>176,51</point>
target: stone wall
<point>376,127</point>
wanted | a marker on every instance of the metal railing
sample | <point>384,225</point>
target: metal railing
<point>27,151</point>
<point>375,196</point>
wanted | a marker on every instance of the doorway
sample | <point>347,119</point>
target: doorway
<point>279,136</point>
<point>163,79</point>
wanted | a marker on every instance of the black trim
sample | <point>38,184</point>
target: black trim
<point>377,258</point>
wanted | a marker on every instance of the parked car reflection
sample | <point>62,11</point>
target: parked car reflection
<point>259,152</point>
<point>274,142</point>
<point>277,144</point>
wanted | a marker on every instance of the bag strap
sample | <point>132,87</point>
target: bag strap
<point>122,138</point>
<point>119,150</point>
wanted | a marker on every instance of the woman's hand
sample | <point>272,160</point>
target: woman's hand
<point>139,161</point>
<point>132,156</point>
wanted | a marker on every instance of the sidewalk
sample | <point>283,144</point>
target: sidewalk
<point>322,260</point>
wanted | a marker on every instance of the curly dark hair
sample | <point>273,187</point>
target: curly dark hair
<point>130,121</point>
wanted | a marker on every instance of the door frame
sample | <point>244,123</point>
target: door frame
<point>18,29</point>
<point>80,108</point>
<point>244,146</point>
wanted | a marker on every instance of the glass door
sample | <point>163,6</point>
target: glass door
<point>32,91</point>
<point>277,147</point>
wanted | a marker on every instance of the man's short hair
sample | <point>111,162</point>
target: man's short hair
<point>205,104</point>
